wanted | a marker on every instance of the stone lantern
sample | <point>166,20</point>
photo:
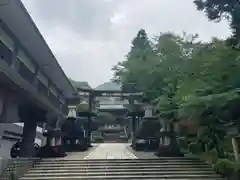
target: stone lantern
<point>232,131</point>
<point>148,111</point>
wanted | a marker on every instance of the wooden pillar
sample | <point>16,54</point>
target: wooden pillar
<point>89,130</point>
<point>134,126</point>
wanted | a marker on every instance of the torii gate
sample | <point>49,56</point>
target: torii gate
<point>126,92</point>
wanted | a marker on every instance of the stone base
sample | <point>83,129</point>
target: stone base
<point>148,146</point>
<point>51,152</point>
<point>169,151</point>
<point>82,146</point>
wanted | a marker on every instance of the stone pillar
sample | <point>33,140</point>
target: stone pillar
<point>53,142</point>
<point>29,134</point>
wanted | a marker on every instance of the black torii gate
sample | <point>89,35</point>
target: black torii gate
<point>127,92</point>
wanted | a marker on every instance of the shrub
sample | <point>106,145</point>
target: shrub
<point>98,139</point>
<point>124,139</point>
<point>225,167</point>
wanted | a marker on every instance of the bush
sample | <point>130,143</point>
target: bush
<point>124,139</point>
<point>98,139</point>
<point>225,167</point>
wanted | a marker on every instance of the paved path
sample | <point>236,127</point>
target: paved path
<point>79,155</point>
<point>111,151</point>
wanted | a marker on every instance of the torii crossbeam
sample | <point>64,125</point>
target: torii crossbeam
<point>107,93</point>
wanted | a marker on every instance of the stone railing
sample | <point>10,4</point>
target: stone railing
<point>12,169</point>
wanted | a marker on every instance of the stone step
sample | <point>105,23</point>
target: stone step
<point>96,160</point>
<point>122,167</point>
<point>140,176</point>
<point>160,173</point>
<point>117,164</point>
<point>90,170</point>
<point>118,161</point>
<point>170,168</point>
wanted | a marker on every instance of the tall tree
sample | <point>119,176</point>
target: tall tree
<point>136,69</point>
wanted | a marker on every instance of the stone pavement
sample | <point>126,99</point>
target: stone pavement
<point>80,155</point>
<point>111,151</point>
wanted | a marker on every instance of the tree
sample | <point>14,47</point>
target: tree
<point>136,69</point>
<point>79,84</point>
<point>105,118</point>
<point>187,79</point>
<point>217,10</point>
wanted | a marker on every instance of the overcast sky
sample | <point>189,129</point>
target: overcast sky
<point>88,37</point>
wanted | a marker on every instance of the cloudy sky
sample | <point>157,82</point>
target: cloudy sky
<point>88,37</point>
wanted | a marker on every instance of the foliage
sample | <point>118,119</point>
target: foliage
<point>141,54</point>
<point>225,167</point>
<point>97,139</point>
<point>106,118</point>
<point>79,84</point>
<point>187,79</point>
<point>110,86</point>
<point>217,10</point>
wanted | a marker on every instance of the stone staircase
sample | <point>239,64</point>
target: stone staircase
<point>163,168</point>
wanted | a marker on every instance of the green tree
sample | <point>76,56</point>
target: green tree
<point>136,69</point>
<point>211,91</point>
<point>188,79</point>
<point>217,10</point>
<point>105,118</point>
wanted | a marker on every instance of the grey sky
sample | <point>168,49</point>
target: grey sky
<point>88,37</point>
